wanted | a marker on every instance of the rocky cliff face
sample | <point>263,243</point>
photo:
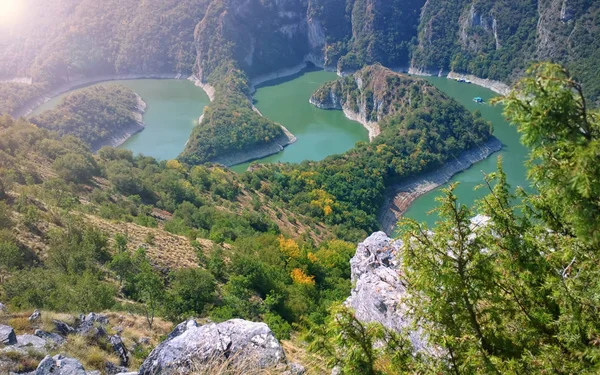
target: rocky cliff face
<point>379,292</point>
<point>371,95</point>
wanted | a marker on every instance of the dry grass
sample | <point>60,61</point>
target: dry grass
<point>13,361</point>
<point>167,250</point>
<point>297,352</point>
<point>91,356</point>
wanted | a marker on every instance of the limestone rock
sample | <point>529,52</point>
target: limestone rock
<point>112,369</point>
<point>63,328</point>
<point>49,336</point>
<point>295,369</point>
<point>120,349</point>
<point>35,316</point>
<point>379,291</point>
<point>7,335</point>
<point>59,365</point>
<point>3,307</point>
<point>94,318</point>
<point>191,345</point>
<point>32,342</point>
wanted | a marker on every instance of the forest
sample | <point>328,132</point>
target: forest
<point>96,115</point>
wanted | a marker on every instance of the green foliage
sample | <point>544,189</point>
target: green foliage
<point>421,130</point>
<point>359,348</point>
<point>565,147</point>
<point>518,292</point>
<point>190,293</point>
<point>75,167</point>
<point>95,115</point>
<point>150,287</point>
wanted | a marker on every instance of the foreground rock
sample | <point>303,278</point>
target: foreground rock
<point>7,335</point>
<point>59,365</point>
<point>191,346</point>
<point>379,291</point>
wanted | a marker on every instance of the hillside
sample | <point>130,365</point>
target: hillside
<point>99,116</point>
<point>226,43</point>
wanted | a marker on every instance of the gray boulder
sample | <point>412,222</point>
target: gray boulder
<point>92,325</point>
<point>49,336</point>
<point>112,369</point>
<point>7,335</point>
<point>120,349</point>
<point>191,346</point>
<point>35,316</point>
<point>94,318</point>
<point>379,292</point>
<point>63,328</point>
<point>59,365</point>
<point>32,342</point>
<point>3,308</point>
<point>295,369</point>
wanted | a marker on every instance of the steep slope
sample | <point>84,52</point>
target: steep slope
<point>499,39</point>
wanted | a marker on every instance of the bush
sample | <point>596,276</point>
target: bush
<point>75,167</point>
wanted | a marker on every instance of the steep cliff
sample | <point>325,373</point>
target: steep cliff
<point>499,39</point>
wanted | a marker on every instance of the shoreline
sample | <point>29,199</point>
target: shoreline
<point>117,140</point>
<point>257,152</point>
<point>399,197</point>
<point>371,126</point>
<point>498,87</point>
<point>30,106</point>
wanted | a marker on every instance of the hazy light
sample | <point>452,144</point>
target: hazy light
<point>10,11</point>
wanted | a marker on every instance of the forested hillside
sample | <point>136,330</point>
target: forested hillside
<point>225,43</point>
<point>99,115</point>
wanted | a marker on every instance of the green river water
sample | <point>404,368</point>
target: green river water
<point>513,153</point>
<point>175,105</point>
<point>173,109</point>
<point>320,132</point>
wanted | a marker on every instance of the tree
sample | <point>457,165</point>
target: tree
<point>190,292</point>
<point>75,167</point>
<point>359,348</point>
<point>516,290</point>
<point>555,121</point>
<point>150,287</point>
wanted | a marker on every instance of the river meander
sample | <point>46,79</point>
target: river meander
<point>175,105</point>
<point>173,109</point>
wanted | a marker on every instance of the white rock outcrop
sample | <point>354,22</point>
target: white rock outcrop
<point>191,346</point>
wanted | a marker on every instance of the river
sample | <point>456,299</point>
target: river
<point>175,105</point>
<point>173,108</point>
<point>320,132</point>
<point>513,153</point>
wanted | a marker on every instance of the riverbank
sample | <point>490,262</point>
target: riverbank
<point>282,73</point>
<point>258,152</point>
<point>496,86</point>
<point>27,108</point>
<point>117,140</point>
<point>399,197</point>
<point>208,89</point>
<point>371,126</point>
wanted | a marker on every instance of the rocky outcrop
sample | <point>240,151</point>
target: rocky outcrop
<point>63,328</point>
<point>50,336</point>
<point>59,365</point>
<point>192,346</point>
<point>379,292</point>
<point>7,335</point>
